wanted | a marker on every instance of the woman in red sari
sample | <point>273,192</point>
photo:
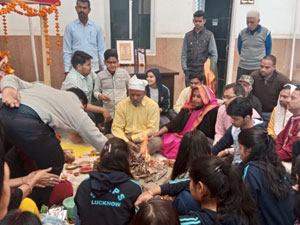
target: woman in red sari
<point>200,112</point>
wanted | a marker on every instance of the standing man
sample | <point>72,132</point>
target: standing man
<point>85,35</point>
<point>254,43</point>
<point>267,85</point>
<point>198,45</point>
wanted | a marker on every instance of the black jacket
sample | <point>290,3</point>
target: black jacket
<point>270,209</point>
<point>107,198</point>
<point>163,92</point>
<point>207,125</point>
<point>202,216</point>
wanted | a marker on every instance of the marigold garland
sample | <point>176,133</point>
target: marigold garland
<point>32,12</point>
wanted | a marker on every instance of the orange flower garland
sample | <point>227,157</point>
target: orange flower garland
<point>29,11</point>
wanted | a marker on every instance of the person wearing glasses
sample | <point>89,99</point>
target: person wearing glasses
<point>111,85</point>
<point>231,91</point>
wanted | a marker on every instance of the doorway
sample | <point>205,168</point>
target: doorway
<point>218,20</point>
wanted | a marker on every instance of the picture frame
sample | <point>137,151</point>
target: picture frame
<point>125,49</point>
<point>247,1</point>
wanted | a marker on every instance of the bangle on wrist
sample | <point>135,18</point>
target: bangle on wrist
<point>227,151</point>
<point>151,193</point>
<point>25,183</point>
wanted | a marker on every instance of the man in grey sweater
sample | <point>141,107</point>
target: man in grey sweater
<point>30,115</point>
<point>254,42</point>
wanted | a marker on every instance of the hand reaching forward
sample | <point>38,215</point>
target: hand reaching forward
<point>11,97</point>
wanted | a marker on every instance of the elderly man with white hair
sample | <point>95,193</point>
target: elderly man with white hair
<point>136,117</point>
<point>254,42</point>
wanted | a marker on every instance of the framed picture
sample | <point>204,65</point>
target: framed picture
<point>247,1</point>
<point>141,57</point>
<point>125,49</point>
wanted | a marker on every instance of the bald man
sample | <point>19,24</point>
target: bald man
<point>254,43</point>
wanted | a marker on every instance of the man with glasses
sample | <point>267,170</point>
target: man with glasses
<point>84,35</point>
<point>111,85</point>
<point>223,122</point>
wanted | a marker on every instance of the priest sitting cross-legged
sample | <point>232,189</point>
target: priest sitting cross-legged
<point>136,117</point>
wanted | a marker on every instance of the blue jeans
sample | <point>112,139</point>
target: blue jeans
<point>184,203</point>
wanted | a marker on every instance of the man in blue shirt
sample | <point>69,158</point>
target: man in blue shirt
<point>254,42</point>
<point>84,35</point>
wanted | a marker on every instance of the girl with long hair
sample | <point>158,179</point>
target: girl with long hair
<point>194,144</point>
<point>108,196</point>
<point>217,186</point>
<point>266,177</point>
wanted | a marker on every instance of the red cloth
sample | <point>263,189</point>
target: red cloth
<point>286,138</point>
<point>61,191</point>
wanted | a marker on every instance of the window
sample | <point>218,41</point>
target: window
<point>132,19</point>
<point>200,5</point>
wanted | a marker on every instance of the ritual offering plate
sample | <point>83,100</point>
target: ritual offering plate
<point>85,163</point>
<point>71,166</point>
<point>85,170</point>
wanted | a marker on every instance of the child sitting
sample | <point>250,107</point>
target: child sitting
<point>159,93</point>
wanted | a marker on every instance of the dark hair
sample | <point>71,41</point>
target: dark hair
<point>271,58</point>
<point>115,157</point>
<point>2,161</point>
<point>263,150</point>
<point>80,94</point>
<point>239,107</point>
<point>224,182</point>
<point>297,195</point>
<point>156,212</point>
<point>199,76</point>
<point>199,13</point>
<point>110,53</point>
<point>237,89</point>
<point>194,144</point>
<point>17,217</point>
<point>80,57</point>
<point>88,1</point>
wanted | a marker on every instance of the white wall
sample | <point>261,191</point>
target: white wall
<point>173,18</point>
<point>18,25</point>
<point>276,15</point>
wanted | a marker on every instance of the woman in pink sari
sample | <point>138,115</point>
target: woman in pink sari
<point>200,112</point>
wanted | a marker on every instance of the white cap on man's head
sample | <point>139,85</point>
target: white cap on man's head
<point>137,84</point>
<point>253,13</point>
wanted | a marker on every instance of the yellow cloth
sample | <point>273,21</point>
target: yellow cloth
<point>209,76</point>
<point>29,205</point>
<point>78,150</point>
<point>182,99</point>
<point>270,129</point>
<point>138,121</point>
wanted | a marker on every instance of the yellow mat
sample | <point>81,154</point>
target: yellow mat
<point>78,150</point>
